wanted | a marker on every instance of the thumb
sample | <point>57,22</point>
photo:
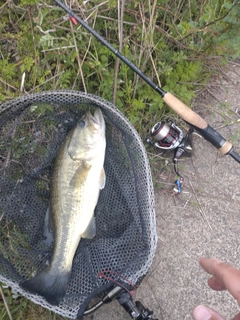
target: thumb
<point>205,313</point>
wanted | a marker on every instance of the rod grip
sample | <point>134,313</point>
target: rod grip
<point>226,148</point>
<point>198,123</point>
<point>184,111</point>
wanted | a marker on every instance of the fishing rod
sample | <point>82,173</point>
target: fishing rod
<point>187,114</point>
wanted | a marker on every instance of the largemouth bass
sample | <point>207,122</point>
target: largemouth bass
<point>77,180</point>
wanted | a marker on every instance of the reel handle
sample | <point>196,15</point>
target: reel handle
<point>199,124</point>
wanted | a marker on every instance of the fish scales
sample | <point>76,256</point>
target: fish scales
<point>77,180</point>
<point>74,182</point>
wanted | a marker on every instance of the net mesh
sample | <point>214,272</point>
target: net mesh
<point>31,130</point>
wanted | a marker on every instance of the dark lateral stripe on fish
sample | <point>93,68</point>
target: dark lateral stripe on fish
<point>52,287</point>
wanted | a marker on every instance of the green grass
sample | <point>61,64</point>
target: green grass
<point>175,43</point>
<point>19,308</point>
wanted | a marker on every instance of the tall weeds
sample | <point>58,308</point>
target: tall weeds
<point>172,42</point>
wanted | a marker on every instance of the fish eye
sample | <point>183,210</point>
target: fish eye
<point>81,123</point>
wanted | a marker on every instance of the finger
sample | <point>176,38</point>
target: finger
<point>225,274</point>
<point>237,317</point>
<point>205,313</point>
<point>215,284</point>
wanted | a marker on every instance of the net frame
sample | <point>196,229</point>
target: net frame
<point>129,185</point>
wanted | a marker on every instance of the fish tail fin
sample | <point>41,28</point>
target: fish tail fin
<point>52,287</point>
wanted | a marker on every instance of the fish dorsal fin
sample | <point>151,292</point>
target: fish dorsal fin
<point>90,232</point>
<point>102,180</point>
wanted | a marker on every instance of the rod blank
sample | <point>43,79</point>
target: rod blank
<point>187,114</point>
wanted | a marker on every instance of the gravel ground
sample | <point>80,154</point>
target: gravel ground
<point>204,220</point>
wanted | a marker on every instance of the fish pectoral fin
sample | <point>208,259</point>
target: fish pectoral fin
<point>102,180</point>
<point>80,176</point>
<point>90,232</point>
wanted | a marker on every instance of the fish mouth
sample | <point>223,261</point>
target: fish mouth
<point>90,117</point>
<point>97,117</point>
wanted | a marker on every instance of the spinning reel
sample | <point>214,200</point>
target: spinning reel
<point>168,136</point>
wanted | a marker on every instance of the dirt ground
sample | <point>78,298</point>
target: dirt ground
<point>204,220</point>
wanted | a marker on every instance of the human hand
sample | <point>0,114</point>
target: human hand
<point>224,277</point>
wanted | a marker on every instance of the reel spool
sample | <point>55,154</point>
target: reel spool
<point>166,136</point>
